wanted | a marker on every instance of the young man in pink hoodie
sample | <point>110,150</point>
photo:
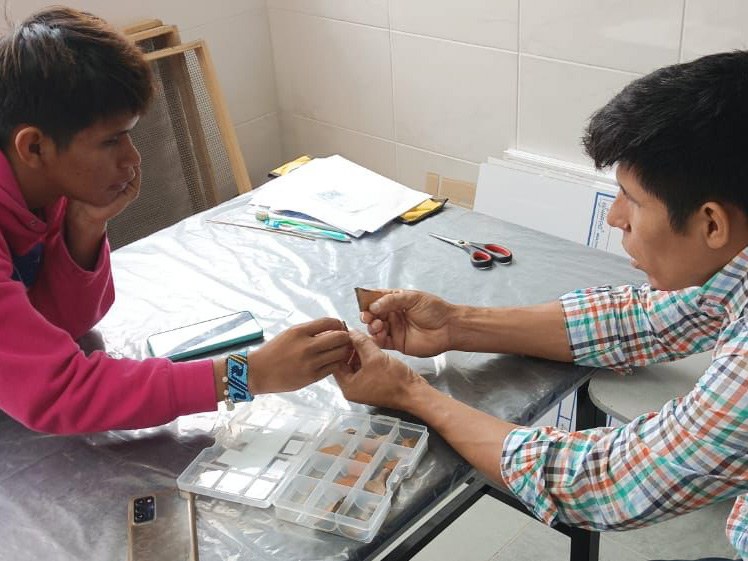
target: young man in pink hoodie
<point>71,89</point>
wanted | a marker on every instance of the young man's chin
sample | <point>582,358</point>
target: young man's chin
<point>664,286</point>
<point>653,282</point>
<point>117,189</point>
<point>109,197</point>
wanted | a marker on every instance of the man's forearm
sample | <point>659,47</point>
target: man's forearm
<point>534,330</point>
<point>476,436</point>
<point>84,243</point>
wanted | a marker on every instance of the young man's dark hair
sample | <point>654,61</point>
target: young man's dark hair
<point>682,130</point>
<point>61,70</point>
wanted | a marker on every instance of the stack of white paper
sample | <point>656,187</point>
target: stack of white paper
<point>340,193</point>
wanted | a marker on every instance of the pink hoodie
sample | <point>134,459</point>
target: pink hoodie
<point>46,382</point>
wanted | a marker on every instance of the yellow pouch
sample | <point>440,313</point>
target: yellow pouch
<point>427,208</point>
<point>290,166</point>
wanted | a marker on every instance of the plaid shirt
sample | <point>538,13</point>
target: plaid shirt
<point>691,453</point>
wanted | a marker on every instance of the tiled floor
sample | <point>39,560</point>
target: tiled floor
<point>492,531</point>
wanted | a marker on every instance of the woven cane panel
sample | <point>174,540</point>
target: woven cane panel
<point>185,166</point>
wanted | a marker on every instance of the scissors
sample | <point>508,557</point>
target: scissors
<point>482,255</point>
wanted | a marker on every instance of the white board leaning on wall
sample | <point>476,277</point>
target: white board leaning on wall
<point>550,196</point>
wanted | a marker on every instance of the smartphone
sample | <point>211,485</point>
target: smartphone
<point>161,525</point>
<point>209,335</point>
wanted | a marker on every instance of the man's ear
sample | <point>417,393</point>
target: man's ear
<point>715,222</point>
<point>31,145</point>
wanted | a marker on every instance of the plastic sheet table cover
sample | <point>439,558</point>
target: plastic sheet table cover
<point>65,498</point>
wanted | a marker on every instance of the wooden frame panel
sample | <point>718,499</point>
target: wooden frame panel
<point>223,119</point>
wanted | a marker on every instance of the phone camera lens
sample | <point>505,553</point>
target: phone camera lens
<point>144,509</point>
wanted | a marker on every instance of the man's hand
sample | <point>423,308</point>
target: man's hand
<point>81,215</point>
<point>414,323</point>
<point>376,378</point>
<point>299,356</point>
<point>85,223</point>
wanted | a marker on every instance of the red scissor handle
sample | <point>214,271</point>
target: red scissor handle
<point>481,259</point>
<point>499,253</point>
<point>498,249</point>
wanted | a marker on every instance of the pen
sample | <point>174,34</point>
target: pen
<point>263,214</point>
<point>309,230</point>
<point>262,228</point>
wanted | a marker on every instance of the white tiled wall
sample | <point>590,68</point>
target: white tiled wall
<point>410,86</point>
<point>491,23</point>
<point>632,35</point>
<point>557,98</point>
<point>333,71</point>
<point>437,95</point>
<point>300,134</point>
<point>709,29</point>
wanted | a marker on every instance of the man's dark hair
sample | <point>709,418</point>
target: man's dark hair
<point>683,130</point>
<point>62,70</point>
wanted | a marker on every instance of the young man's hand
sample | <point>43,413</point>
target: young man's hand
<point>412,322</point>
<point>85,223</point>
<point>376,378</point>
<point>299,356</point>
<point>83,216</point>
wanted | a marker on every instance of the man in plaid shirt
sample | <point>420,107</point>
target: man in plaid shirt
<point>678,137</point>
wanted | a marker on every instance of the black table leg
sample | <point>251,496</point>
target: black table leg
<point>588,416</point>
<point>435,525</point>
<point>585,544</point>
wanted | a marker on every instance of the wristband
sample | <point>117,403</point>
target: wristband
<point>236,380</point>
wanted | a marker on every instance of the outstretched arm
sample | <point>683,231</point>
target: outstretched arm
<point>421,324</point>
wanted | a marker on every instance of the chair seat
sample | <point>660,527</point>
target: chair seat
<point>648,388</point>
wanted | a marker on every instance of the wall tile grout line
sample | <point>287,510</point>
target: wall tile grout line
<point>682,31</point>
<point>379,138</point>
<point>454,41</point>
<point>583,64</point>
<point>519,59</point>
<point>299,12</point>
<point>392,84</point>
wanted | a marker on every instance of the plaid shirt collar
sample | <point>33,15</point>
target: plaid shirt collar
<point>726,293</point>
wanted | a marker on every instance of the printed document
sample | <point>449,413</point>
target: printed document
<point>340,193</point>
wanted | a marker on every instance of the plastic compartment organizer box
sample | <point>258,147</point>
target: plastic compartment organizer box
<point>330,470</point>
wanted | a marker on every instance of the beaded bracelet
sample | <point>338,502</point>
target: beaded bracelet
<point>236,380</point>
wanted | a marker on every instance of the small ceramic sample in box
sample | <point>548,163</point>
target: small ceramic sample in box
<point>330,470</point>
